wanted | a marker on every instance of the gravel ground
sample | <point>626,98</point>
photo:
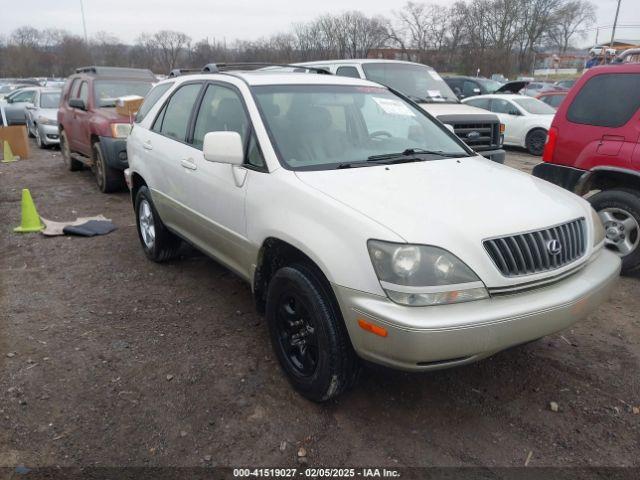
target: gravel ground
<point>109,359</point>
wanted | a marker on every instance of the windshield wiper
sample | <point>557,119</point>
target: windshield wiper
<point>409,152</point>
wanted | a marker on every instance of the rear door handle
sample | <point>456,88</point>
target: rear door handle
<point>188,163</point>
<point>147,145</point>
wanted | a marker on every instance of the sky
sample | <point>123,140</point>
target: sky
<point>235,19</point>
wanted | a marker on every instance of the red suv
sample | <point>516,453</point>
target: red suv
<point>92,133</point>
<point>593,147</point>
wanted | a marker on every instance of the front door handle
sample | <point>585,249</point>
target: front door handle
<point>147,145</point>
<point>188,163</point>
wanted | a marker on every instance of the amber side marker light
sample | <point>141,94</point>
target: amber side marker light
<point>370,327</point>
<point>502,127</point>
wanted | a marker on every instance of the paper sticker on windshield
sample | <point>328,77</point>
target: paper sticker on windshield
<point>435,95</point>
<point>435,75</point>
<point>393,107</point>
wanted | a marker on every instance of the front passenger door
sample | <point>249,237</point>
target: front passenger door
<point>217,190</point>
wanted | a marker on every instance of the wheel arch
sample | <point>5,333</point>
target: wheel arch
<point>136,182</point>
<point>607,178</point>
<point>274,254</point>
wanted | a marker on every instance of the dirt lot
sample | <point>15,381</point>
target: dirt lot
<point>109,359</point>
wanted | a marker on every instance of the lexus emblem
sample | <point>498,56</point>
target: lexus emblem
<point>554,247</point>
<point>473,135</point>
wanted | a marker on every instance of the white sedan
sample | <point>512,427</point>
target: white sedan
<point>526,119</point>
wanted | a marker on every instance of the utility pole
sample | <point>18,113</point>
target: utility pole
<point>615,22</point>
<point>84,23</point>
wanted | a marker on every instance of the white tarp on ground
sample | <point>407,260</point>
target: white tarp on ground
<point>55,228</point>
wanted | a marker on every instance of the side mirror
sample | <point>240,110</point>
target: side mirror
<point>223,147</point>
<point>514,112</point>
<point>77,103</point>
<point>30,107</point>
<point>476,90</point>
<point>450,128</point>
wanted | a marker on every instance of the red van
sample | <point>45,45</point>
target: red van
<point>593,148</point>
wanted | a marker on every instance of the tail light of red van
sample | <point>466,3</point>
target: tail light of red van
<point>550,145</point>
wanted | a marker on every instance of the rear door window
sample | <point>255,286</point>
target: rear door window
<point>602,102</point>
<point>177,112</point>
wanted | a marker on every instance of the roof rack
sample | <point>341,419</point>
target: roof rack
<point>141,73</point>
<point>222,67</point>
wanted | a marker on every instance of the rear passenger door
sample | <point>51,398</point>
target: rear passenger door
<point>167,146</point>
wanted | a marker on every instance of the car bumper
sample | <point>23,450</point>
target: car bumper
<point>497,156</point>
<point>428,338</point>
<point>49,134</point>
<point>569,178</point>
<point>114,151</point>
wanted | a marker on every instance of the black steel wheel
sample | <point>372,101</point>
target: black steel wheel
<point>308,333</point>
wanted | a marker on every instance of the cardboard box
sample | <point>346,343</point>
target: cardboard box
<point>16,135</point>
<point>128,106</point>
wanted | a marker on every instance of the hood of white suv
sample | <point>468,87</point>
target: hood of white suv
<point>452,203</point>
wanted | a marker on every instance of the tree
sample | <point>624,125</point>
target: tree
<point>571,20</point>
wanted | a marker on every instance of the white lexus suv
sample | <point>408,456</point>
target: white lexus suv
<point>366,229</point>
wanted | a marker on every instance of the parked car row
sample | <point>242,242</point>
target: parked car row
<point>352,209</point>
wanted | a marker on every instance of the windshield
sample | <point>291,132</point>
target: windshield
<point>490,85</point>
<point>106,92</point>
<point>535,106</point>
<point>319,127</point>
<point>49,100</point>
<point>420,83</point>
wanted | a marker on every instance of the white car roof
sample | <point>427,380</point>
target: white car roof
<point>266,77</point>
<point>360,61</point>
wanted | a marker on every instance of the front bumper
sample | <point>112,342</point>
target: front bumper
<point>427,338</point>
<point>114,151</point>
<point>49,134</point>
<point>497,156</point>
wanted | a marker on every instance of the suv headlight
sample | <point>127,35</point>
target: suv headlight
<point>598,229</point>
<point>420,275</point>
<point>120,130</point>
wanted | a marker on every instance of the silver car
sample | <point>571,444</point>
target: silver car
<point>15,105</point>
<point>42,120</point>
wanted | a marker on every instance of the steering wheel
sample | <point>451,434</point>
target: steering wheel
<point>380,133</point>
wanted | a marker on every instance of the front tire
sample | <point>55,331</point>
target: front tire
<point>108,179</point>
<point>535,141</point>
<point>158,243</point>
<point>308,334</point>
<point>619,211</point>
<point>38,136</point>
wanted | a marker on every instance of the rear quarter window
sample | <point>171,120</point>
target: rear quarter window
<point>151,99</point>
<point>601,102</point>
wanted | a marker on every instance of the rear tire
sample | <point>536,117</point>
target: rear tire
<point>620,212</point>
<point>108,179</point>
<point>158,243</point>
<point>535,141</point>
<point>71,163</point>
<point>308,334</point>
